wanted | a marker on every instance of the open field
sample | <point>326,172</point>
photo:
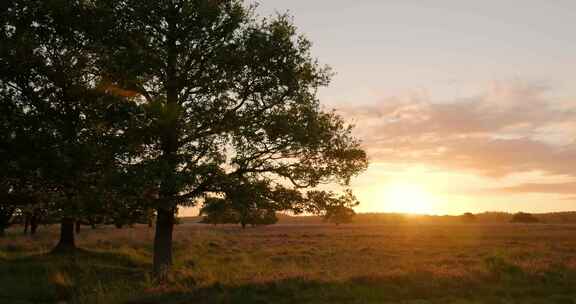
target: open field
<point>405,263</point>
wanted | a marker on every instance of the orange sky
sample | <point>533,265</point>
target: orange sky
<point>469,104</point>
<point>510,148</point>
<point>461,105</point>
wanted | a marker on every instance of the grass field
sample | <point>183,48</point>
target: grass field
<point>404,263</point>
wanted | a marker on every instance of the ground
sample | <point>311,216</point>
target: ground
<point>401,263</point>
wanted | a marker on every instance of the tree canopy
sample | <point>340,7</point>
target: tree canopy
<point>188,99</point>
<point>228,96</point>
<point>522,217</point>
<point>64,135</point>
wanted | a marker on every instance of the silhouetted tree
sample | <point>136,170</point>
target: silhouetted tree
<point>334,208</point>
<point>218,211</point>
<point>263,217</point>
<point>339,215</point>
<point>245,202</point>
<point>522,217</point>
<point>72,128</point>
<point>33,217</point>
<point>253,201</point>
<point>6,212</point>
<point>221,211</point>
<point>129,203</point>
<point>468,217</point>
<point>227,95</point>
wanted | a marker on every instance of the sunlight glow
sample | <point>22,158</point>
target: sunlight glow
<point>407,198</point>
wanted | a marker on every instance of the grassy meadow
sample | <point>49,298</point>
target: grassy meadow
<point>300,263</point>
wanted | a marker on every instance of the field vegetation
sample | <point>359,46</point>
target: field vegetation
<point>299,263</point>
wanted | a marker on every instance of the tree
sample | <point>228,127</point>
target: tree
<point>334,208</point>
<point>245,203</point>
<point>253,201</point>
<point>227,95</point>
<point>6,212</point>
<point>73,130</point>
<point>339,215</point>
<point>218,211</point>
<point>468,217</point>
<point>33,216</point>
<point>522,217</point>
<point>263,217</point>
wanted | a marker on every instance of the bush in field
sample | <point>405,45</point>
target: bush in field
<point>217,211</point>
<point>501,267</point>
<point>468,217</point>
<point>334,208</point>
<point>263,217</point>
<point>247,203</point>
<point>339,215</point>
<point>522,217</point>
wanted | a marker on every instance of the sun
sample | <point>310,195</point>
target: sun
<point>407,198</point>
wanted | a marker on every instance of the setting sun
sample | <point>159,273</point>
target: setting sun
<point>407,198</point>
<point>277,151</point>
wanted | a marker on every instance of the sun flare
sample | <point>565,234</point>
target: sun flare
<point>407,198</point>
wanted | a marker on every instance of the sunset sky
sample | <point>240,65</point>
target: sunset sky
<point>461,105</point>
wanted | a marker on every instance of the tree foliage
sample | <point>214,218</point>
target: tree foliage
<point>248,203</point>
<point>522,217</point>
<point>339,215</point>
<point>334,208</point>
<point>189,99</point>
<point>228,96</point>
<point>468,217</point>
<point>65,135</point>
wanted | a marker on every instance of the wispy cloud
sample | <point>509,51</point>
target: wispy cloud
<point>557,188</point>
<point>511,128</point>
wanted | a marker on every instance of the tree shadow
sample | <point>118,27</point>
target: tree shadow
<point>49,278</point>
<point>409,288</point>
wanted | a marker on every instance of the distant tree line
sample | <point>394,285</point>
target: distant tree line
<point>114,111</point>
<point>522,217</point>
<point>484,217</point>
<point>244,208</point>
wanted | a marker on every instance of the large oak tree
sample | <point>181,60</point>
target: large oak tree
<point>228,95</point>
<point>62,133</point>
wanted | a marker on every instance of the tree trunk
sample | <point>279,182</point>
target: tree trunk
<point>26,222</point>
<point>66,243</point>
<point>33,226</point>
<point>33,223</point>
<point>163,243</point>
<point>77,227</point>
<point>169,145</point>
<point>92,222</point>
<point>5,217</point>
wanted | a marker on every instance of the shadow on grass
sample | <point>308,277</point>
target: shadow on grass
<point>49,278</point>
<point>114,277</point>
<point>411,288</point>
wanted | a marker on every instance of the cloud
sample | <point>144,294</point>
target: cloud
<point>511,128</point>
<point>558,188</point>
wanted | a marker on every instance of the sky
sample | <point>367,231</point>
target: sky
<point>462,106</point>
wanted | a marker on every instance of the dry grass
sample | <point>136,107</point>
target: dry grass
<point>301,264</point>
